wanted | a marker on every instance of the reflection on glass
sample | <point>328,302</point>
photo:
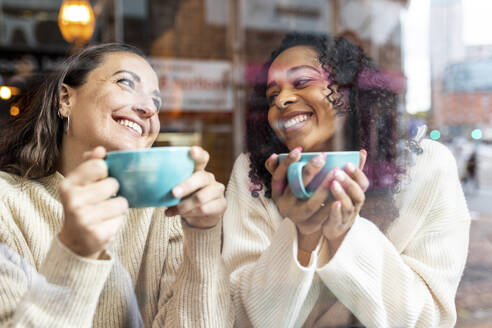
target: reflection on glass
<point>434,55</point>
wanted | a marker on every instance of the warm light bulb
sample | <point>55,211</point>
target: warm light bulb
<point>74,13</point>
<point>76,21</point>
<point>5,93</point>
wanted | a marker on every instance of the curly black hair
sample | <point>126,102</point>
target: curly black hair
<point>360,92</point>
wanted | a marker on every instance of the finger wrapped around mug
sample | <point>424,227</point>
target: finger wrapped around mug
<point>356,174</point>
<point>92,226</point>
<point>200,156</point>
<point>193,203</point>
<point>315,221</point>
<point>349,191</point>
<point>279,175</point>
<point>335,228</point>
<point>203,202</point>
<point>271,163</point>
<point>301,211</point>
<point>344,209</point>
<point>91,193</point>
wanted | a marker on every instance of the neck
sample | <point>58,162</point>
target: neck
<point>71,155</point>
<point>323,147</point>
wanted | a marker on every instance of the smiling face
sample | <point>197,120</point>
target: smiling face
<point>116,107</point>
<point>297,92</point>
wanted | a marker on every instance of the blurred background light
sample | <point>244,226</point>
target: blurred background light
<point>5,92</point>
<point>476,134</point>
<point>435,135</point>
<point>14,110</point>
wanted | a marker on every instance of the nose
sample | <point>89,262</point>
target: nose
<point>145,109</point>
<point>285,98</point>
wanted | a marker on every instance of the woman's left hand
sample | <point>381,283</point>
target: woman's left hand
<point>348,189</point>
<point>203,202</point>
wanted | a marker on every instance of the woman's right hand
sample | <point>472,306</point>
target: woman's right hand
<point>92,217</point>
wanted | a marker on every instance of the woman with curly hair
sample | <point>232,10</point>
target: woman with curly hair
<point>383,244</point>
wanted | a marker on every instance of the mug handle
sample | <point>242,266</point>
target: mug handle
<point>294,176</point>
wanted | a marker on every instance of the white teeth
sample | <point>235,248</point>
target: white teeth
<point>132,125</point>
<point>293,121</point>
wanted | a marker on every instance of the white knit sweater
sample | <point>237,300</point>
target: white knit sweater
<point>157,275</point>
<point>405,278</point>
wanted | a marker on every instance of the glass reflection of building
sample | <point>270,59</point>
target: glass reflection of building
<point>461,74</point>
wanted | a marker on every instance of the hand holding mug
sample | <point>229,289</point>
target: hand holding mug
<point>305,213</point>
<point>311,214</point>
<point>203,202</point>
<point>92,217</point>
<point>347,188</point>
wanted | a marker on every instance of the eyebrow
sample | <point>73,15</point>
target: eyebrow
<point>292,70</point>
<point>297,68</point>
<point>138,79</point>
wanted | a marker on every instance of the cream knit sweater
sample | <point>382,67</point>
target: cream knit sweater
<point>156,276</point>
<point>405,278</point>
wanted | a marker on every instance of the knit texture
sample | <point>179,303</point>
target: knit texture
<point>160,273</point>
<point>407,277</point>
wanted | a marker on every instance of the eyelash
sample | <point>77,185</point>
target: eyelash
<point>129,83</point>
<point>301,82</point>
<point>297,84</point>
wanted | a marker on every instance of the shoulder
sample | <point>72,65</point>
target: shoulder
<point>242,164</point>
<point>9,183</point>
<point>240,170</point>
<point>17,190</point>
<point>10,193</point>
<point>436,148</point>
<point>240,182</point>
<point>435,156</point>
<point>433,168</point>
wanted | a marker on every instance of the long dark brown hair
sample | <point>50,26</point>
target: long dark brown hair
<point>361,93</point>
<point>30,145</point>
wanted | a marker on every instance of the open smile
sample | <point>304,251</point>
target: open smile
<point>131,125</point>
<point>294,122</point>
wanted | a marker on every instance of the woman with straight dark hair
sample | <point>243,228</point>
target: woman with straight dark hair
<point>380,245</point>
<point>71,253</point>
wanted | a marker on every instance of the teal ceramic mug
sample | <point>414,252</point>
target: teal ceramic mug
<point>147,176</point>
<point>333,160</point>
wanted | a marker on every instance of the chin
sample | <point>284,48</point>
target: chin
<point>121,146</point>
<point>131,144</point>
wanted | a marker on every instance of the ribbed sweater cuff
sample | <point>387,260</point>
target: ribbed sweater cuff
<point>78,278</point>
<point>357,258</point>
<point>201,246</point>
<point>355,247</point>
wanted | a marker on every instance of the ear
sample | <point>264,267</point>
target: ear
<point>66,97</point>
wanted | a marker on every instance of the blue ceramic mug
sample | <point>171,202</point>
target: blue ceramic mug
<point>147,176</point>
<point>333,160</point>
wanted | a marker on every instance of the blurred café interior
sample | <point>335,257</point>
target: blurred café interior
<point>207,54</point>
